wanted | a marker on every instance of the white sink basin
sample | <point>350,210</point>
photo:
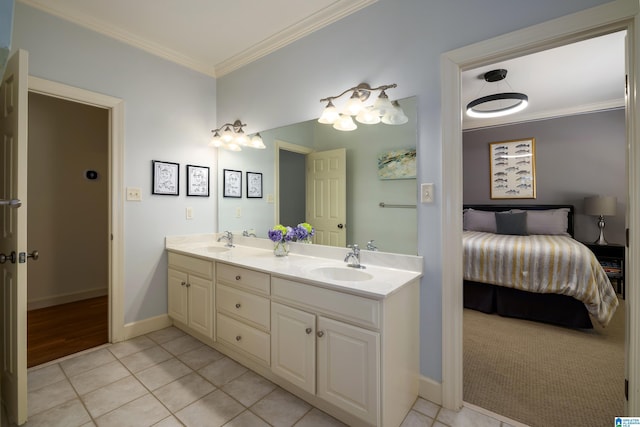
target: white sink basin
<point>217,249</point>
<point>342,273</point>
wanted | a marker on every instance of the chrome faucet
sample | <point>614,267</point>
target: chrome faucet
<point>353,257</point>
<point>228,236</point>
<point>247,233</point>
<point>371,246</point>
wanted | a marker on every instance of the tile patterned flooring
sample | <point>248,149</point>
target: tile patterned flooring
<point>168,378</point>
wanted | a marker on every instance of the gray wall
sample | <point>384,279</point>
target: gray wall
<point>577,156</point>
<point>292,189</point>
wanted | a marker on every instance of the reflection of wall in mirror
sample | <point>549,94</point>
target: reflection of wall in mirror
<point>394,230</point>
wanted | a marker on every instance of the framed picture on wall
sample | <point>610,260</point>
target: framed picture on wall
<point>197,181</point>
<point>231,183</point>
<point>513,169</point>
<point>254,185</point>
<point>165,177</point>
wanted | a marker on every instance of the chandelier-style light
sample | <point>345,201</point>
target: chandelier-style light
<point>382,110</point>
<point>230,136</point>
<point>498,104</point>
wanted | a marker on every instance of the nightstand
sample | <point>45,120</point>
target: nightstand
<point>611,258</point>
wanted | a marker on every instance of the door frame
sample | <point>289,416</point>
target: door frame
<point>609,17</point>
<point>115,106</point>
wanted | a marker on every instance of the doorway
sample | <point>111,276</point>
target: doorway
<point>68,225</point>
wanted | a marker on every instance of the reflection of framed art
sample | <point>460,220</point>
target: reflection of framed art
<point>397,164</point>
<point>165,176</point>
<point>232,183</point>
<point>197,181</point>
<point>254,185</point>
<point>513,169</point>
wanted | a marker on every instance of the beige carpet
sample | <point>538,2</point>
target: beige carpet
<point>544,375</point>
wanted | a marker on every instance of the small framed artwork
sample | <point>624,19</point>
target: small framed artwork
<point>231,183</point>
<point>197,181</point>
<point>254,185</point>
<point>165,178</point>
<point>397,164</point>
<point>513,169</point>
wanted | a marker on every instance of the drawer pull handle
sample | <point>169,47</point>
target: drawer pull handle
<point>238,305</point>
<point>308,331</point>
<point>320,334</point>
<point>238,277</point>
<point>238,338</point>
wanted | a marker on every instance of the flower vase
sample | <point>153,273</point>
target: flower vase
<point>281,249</point>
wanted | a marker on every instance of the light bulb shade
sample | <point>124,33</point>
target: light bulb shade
<point>368,116</point>
<point>329,115</point>
<point>241,138</point>
<point>396,116</point>
<point>232,146</point>
<point>600,205</point>
<point>497,105</point>
<point>216,141</point>
<point>382,105</point>
<point>256,142</point>
<point>345,123</point>
<point>354,105</point>
<point>227,135</point>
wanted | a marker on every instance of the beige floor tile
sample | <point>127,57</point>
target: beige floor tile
<point>416,419</point>
<point>246,419</point>
<point>69,414</point>
<point>182,345</point>
<point>222,371</point>
<point>133,345</point>
<point>169,422</point>
<point>248,388</point>
<point>427,408</point>
<point>213,410</point>
<point>184,391</point>
<point>114,395</point>
<point>38,378</point>
<point>49,396</point>
<point>466,418</point>
<point>163,373</point>
<point>281,408</point>
<point>166,334</point>
<point>145,358</point>
<point>98,377</point>
<point>87,362</point>
<point>317,418</point>
<point>144,411</point>
<point>200,357</point>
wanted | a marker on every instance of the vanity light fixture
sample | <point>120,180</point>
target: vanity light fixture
<point>230,136</point>
<point>498,104</point>
<point>382,110</point>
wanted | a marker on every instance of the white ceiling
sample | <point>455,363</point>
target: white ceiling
<point>216,37</point>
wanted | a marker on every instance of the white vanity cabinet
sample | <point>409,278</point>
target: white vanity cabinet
<point>190,293</point>
<point>243,311</point>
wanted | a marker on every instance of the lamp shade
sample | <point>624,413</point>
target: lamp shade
<point>600,205</point>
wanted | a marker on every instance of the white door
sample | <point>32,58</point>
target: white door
<point>13,185</point>
<point>327,196</point>
<point>200,299</point>
<point>177,304</point>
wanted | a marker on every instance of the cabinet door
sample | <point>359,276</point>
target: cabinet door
<point>349,368</point>
<point>293,346</point>
<point>200,299</point>
<point>177,295</point>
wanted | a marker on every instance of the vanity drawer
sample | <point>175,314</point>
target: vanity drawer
<point>244,278</point>
<point>244,305</point>
<point>352,308</point>
<point>190,264</point>
<point>243,337</point>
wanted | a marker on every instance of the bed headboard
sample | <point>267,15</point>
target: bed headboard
<point>501,208</point>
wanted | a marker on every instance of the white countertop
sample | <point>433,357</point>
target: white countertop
<point>303,259</point>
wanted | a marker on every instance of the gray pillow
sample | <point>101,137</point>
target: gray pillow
<point>550,221</point>
<point>511,223</point>
<point>474,220</point>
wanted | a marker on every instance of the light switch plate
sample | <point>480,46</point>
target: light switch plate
<point>189,213</point>
<point>134,194</point>
<point>426,193</point>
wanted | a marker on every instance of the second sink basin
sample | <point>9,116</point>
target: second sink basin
<point>342,273</point>
<point>217,249</point>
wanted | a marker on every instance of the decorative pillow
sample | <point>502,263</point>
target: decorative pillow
<point>511,223</point>
<point>473,220</point>
<point>550,221</point>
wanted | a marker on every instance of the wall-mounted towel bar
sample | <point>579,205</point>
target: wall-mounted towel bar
<point>387,205</point>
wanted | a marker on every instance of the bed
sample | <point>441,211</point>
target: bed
<point>522,261</point>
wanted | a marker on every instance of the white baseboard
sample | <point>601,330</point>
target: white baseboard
<point>430,390</point>
<point>141,327</point>
<point>66,298</point>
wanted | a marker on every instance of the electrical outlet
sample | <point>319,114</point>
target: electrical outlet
<point>426,193</point>
<point>134,194</point>
<point>238,212</point>
<point>189,213</point>
<point>270,198</point>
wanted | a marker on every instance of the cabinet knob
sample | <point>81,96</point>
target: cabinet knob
<point>238,337</point>
<point>308,331</point>
<point>188,284</point>
<point>238,305</point>
<point>320,334</point>
<point>238,277</point>
<point>183,283</point>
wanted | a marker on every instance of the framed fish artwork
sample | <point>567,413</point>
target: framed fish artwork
<point>513,169</point>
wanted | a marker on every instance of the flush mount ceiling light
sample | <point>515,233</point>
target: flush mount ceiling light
<point>498,104</point>
<point>382,110</point>
<point>230,136</point>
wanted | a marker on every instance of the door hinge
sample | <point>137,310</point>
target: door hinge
<point>626,389</point>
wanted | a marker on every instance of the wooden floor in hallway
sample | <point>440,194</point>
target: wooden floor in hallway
<point>57,331</point>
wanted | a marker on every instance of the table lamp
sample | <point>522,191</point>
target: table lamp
<point>600,206</point>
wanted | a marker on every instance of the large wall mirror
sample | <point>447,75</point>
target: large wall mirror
<point>282,165</point>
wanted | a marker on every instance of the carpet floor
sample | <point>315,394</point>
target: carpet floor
<point>545,375</point>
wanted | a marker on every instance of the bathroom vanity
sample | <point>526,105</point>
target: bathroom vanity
<point>343,339</point>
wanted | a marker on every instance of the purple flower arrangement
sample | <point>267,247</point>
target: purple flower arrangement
<point>300,233</point>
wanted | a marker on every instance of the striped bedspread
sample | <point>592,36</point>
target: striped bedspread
<point>543,264</point>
